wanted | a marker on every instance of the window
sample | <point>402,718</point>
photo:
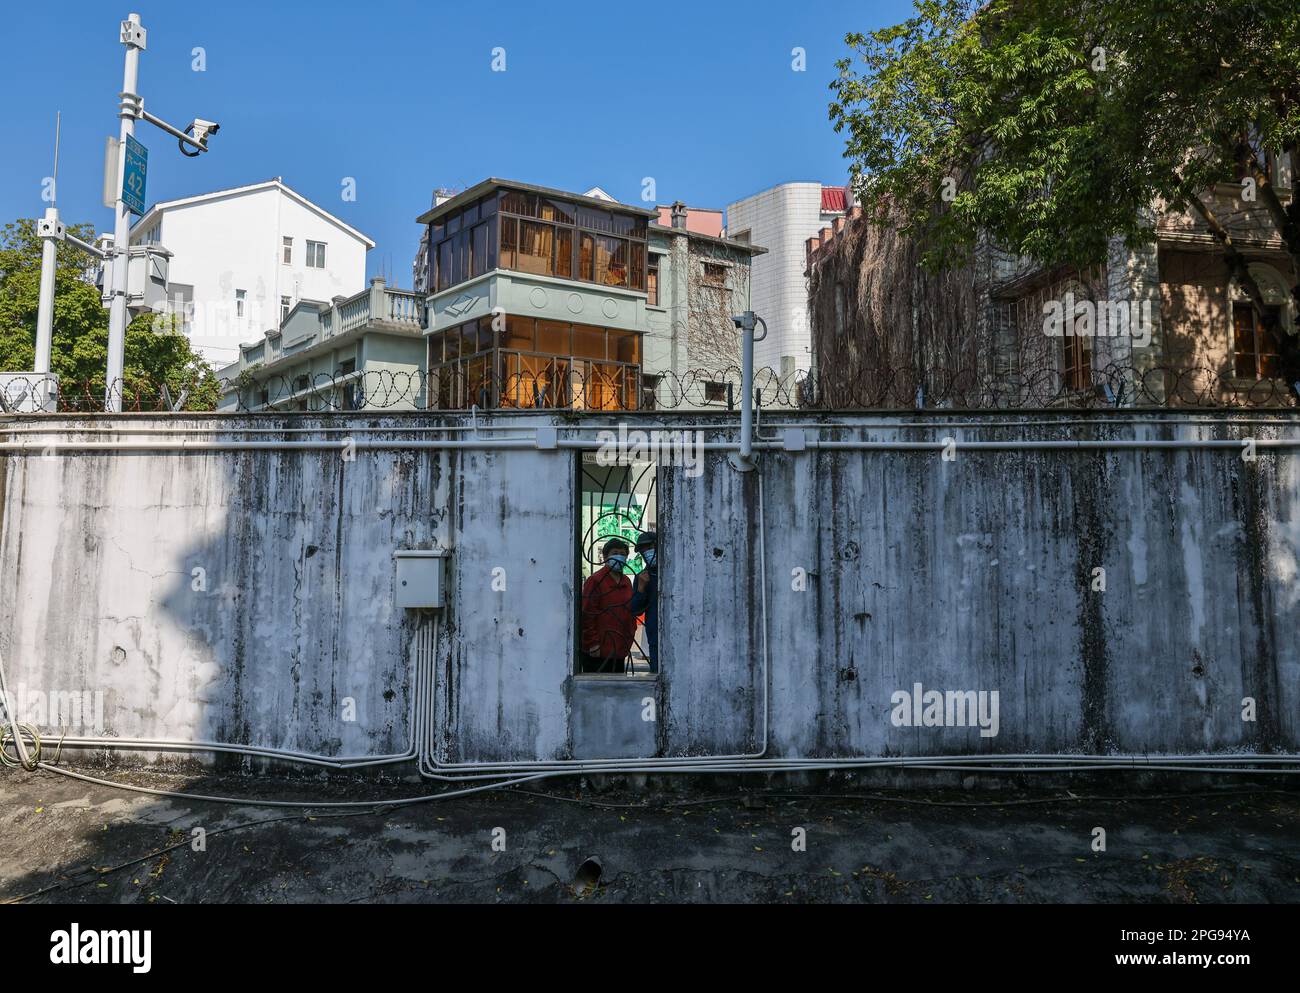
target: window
<point>536,245</point>
<point>715,392</point>
<point>286,251</point>
<point>315,255</point>
<point>1076,369</point>
<point>652,282</point>
<point>541,236</point>
<point>715,274</point>
<point>1255,354</point>
<point>616,503</point>
<point>286,304</point>
<point>182,303</point>
<point>479,250</point>
<point>611,261</point>
<point>534,363</point>
<point>1076,341</point>
<point>564,253</point>
<point>240,296</point>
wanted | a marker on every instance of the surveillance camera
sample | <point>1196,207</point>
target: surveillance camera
<point>204,128</point>
<point>199,130</point>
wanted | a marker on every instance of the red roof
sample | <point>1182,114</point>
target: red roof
<point>834,199</point>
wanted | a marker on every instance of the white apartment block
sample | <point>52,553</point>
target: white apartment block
<point>781,220</point>
<point>241,259</point>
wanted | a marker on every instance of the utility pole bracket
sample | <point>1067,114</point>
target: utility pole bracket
<point>48,227</point>
<point>133,33</point>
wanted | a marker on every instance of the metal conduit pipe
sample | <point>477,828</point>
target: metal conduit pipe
<point>523,444</point>
<point>33,426</point>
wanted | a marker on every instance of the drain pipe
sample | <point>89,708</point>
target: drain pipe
<point>743,461</point>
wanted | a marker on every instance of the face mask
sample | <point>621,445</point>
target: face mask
<point>616,562</point>
<point>649,556</point>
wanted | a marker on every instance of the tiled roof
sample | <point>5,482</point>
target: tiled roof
<point>834,199</point>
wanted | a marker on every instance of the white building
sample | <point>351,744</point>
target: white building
<point>242,258</point>
<point>781,220</point>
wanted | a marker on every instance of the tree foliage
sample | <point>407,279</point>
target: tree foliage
<point>156,353</point>
<point>1054,125</point>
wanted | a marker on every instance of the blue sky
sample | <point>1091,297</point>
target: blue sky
<point>401,97</point>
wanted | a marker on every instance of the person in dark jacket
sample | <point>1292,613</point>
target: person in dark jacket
<point>645,599</point>
<point>608,625</point>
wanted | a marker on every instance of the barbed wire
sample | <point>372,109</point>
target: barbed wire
<point>1113,386</point>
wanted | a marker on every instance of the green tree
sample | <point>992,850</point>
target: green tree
<point>1054,125</point>
<point>156,352</point>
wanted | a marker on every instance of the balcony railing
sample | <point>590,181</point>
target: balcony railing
<point>378,303</point>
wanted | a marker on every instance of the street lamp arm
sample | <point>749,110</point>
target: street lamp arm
<point>185,139</point>
<point>85,246</point>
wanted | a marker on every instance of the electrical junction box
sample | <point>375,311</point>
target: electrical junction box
<point>28,392</point>
<point>419,578</point>
<point>147,271</point>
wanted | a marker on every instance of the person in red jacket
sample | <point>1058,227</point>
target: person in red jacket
<point>608,625</point>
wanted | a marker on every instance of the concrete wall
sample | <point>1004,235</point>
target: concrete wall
<point>976,574</point>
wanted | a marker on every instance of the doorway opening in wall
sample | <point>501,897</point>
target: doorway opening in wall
<point>618,607</point>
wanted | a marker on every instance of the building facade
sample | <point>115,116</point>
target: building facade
<point>542,298</point>
<point>362,351</point>
<point>1168,322</point>
<point>782,219</point>
<point>243,258</point>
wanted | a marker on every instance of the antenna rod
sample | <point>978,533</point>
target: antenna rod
<point>54,191</point>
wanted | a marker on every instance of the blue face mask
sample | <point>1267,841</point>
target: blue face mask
<point>616,562</point>
<point>649,556</point>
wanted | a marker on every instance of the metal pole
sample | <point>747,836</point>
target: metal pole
<point>49,231</point>
<point>133,38</point>
<point>747,396</point>
<point>743,460</point>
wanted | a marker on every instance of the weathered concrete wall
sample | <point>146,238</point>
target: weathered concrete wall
<point>975,574</point>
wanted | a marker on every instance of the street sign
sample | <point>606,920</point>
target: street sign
<point>133,176</point>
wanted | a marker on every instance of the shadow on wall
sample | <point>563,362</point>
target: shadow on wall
<point>218,596</point>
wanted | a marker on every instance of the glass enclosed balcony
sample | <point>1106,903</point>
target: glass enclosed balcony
<point>534,363</point>
<point>535,231</point>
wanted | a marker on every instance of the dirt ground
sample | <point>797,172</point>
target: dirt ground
<point>65,841</point>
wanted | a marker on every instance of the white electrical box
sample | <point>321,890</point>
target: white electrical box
<point>29,393</point>
<point>419,578</point>
<point>147,272</point>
